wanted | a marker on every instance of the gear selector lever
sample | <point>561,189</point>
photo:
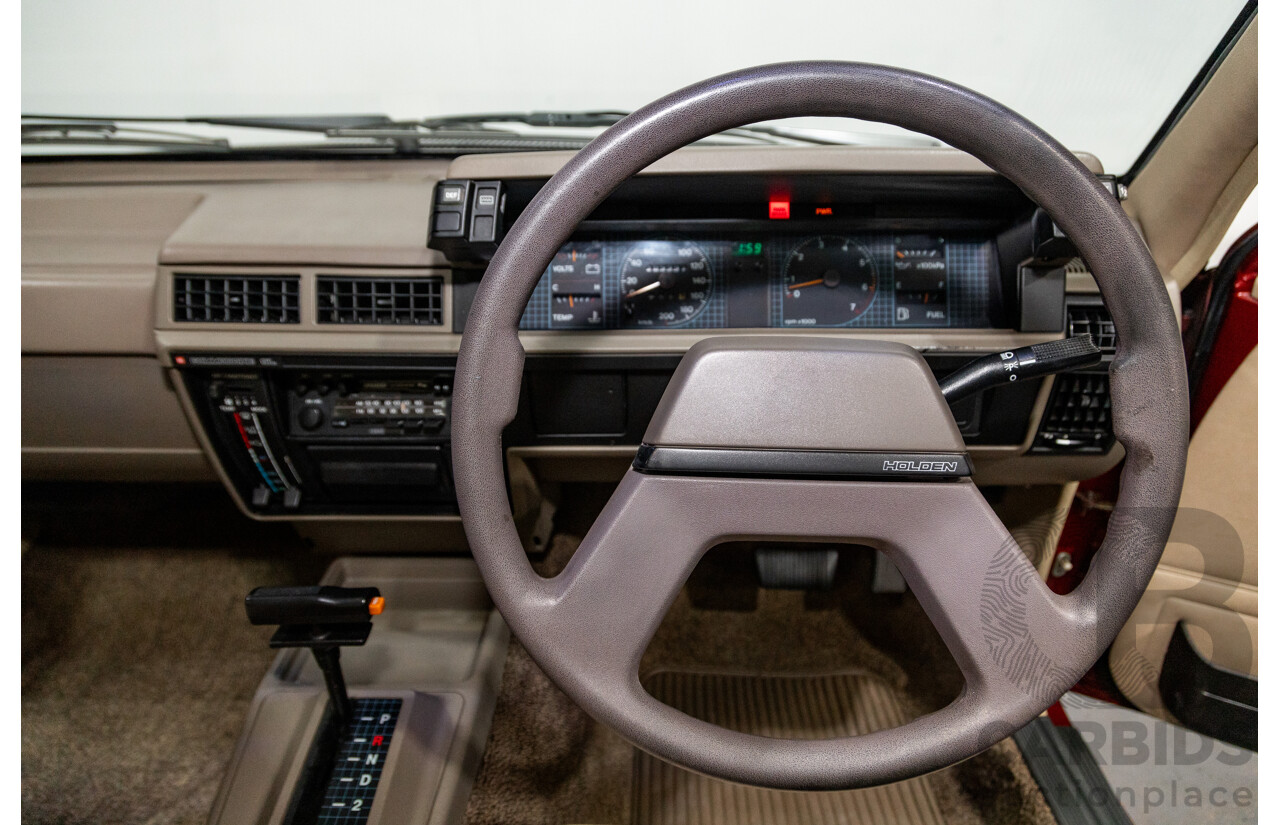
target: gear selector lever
<point>323,619</point>
<point>1020,364</point>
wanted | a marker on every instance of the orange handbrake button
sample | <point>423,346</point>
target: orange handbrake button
<point>376,604</point>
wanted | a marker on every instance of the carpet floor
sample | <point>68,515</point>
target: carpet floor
<point>137,661</point>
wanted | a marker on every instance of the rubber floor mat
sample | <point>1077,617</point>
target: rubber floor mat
<point>790,707</point>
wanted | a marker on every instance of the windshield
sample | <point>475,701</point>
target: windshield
<point>1100,76</point>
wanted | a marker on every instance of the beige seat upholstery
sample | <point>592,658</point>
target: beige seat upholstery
<point>1208,576</point>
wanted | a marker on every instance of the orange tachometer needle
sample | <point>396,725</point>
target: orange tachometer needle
<point>814,282</point>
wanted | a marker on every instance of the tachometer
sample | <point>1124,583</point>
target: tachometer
<point>664,284</point>
<point>829,281</point>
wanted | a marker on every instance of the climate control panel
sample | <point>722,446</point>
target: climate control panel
<point>243,406</point>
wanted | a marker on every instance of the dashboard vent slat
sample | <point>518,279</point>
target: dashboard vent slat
<point>235,299</point>
<point>1092,318</point>
<point>1078,417</point>
<point>400,301</point>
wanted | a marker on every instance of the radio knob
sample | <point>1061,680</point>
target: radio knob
<point>310,418</point>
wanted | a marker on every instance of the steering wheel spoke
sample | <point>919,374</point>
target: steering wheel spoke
<point>956,555</point>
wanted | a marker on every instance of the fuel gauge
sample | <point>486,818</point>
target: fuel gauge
<point>920,281</point>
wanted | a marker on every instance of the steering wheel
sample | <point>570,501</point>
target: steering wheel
<point>1018,645</point>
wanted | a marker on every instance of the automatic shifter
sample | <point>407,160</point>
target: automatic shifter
<point>349,752</point>
<point>323,619</point>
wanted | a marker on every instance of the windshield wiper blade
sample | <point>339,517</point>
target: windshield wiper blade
<point>575,120</point>
<point>290,123</point>
<point>98,132</point>
<point>299,123</point>
<point>605,118</point>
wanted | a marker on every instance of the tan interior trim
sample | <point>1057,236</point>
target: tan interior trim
<point>1188,193</point>
<point>53,173</point>
<point>699,160</point>
<point>321,222</point>
<point>104,418</point>
<point>299,338</point>
<point>1214,230</point>
<point>99,310</point>
<point>115,464</point>
<point>1208,574</point>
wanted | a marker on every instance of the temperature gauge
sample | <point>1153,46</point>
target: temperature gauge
<point>577,312</point>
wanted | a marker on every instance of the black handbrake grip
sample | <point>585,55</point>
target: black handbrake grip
<point>1020,364</point>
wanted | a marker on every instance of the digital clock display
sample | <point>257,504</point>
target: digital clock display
<point>749,248</point>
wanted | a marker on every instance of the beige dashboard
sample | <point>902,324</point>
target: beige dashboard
<point>101,241</point>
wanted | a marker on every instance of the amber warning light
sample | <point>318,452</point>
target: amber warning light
<point>823,210</point>
<point>779,210</point>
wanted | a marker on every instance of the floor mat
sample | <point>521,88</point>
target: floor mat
<point>787,707</point>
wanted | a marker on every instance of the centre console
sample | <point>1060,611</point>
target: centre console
<point>308,435</point>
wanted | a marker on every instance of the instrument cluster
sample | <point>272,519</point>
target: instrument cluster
<point>834,280</point>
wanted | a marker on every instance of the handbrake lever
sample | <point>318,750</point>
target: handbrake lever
<point>1020,364</point>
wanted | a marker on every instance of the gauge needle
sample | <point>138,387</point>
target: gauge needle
<point>642,290</point>
<point>814,282</point>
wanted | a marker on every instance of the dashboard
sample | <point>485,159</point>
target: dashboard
<point>335,406</point>
<point>829,279</point>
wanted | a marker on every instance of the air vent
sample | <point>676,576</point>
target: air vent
<point>406,301</point>
<point>1078,418</point>
<point>236,299</point>
<point>1092,317</point>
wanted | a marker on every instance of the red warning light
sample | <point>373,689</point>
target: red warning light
<point>779,210</point>
<point>823,210</point>
<point>180,360</point>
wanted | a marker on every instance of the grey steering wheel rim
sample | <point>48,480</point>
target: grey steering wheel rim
<point>1150,411</point>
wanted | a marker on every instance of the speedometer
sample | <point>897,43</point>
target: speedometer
<point>664,284</point>
<point>829,281</point>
